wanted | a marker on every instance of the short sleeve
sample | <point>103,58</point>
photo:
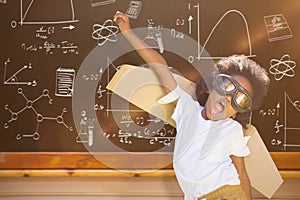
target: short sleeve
<point>171,96</point>
<point>186,115</point>
<point>239,147</point>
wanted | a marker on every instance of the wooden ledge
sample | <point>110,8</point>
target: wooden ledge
<point>107,173</point>
<point>85,173</point>
<point>77,164</point>
<point>290,173</point>
<point>86,160</point>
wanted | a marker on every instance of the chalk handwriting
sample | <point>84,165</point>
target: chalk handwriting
<point>65,47</point>
<point>277,126</point>
<point>176,34</point>
<point>154,137</point>
<point>43,33</point>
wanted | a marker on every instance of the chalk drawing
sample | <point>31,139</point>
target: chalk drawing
<point>25,10</point>
<point>277,27</point>
<point>283,67</point>
<point>13,80</point>
<point>105,32</point>
<point>39,117</point>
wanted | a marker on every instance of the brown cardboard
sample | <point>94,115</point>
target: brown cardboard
<point>141,87</point>
<point>262,171</point>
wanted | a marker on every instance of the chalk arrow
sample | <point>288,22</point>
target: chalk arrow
<point>71,27</point>
<point>190,24</point>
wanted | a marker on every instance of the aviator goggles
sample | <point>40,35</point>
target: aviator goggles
<point>241,100</point>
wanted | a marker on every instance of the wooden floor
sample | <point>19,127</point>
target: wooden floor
<point>111,188</point>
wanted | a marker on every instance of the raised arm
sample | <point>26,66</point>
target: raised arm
<point>150,56</point>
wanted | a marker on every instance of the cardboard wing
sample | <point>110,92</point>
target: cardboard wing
<point>262,171</point>
<point>141,87</point>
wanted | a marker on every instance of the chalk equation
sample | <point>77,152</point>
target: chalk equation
<point>132,126</point>
<point>154,137</point>
<point>286,128</point>
<point>49,48</point>
<point>44,32</point>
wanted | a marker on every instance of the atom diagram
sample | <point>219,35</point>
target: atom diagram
<point>283,67</point>
<point>105,32</point>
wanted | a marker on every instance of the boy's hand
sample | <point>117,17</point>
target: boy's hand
<point>122,20</point>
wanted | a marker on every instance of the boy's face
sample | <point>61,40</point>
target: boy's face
<point>219,107</point>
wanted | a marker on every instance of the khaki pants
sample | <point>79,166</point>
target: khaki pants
<point>227,192</point>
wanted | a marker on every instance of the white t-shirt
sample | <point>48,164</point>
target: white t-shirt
<point>202,150</point>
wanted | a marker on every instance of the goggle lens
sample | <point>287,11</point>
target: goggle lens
<point>242,100</point>
<point>227,86</point>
